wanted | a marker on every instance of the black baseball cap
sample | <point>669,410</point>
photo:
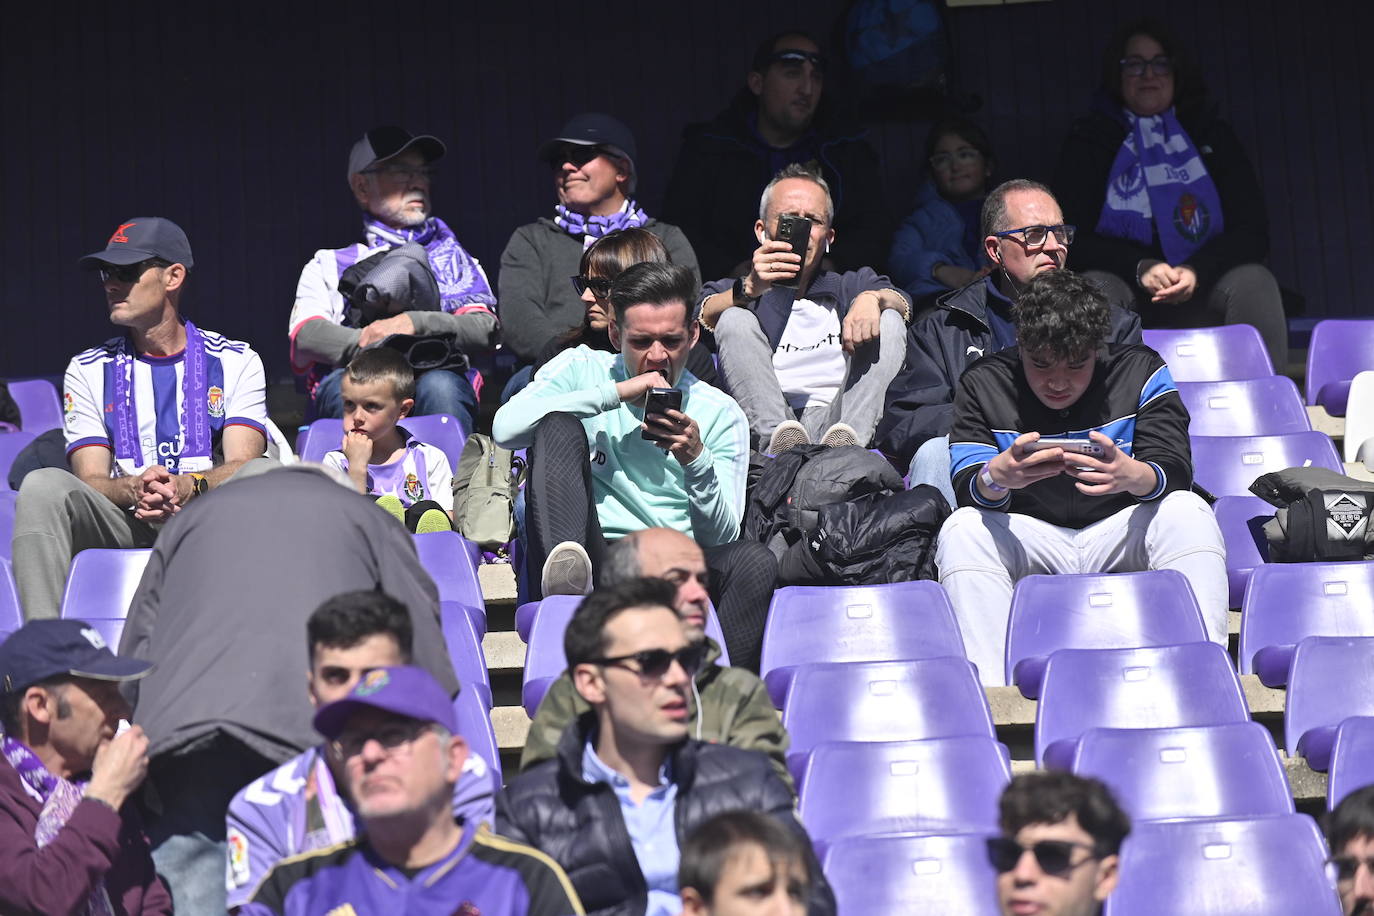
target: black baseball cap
<point>41,649</point>
<point>384,142</point>
<point>593,129</point>
<point>140,238</point>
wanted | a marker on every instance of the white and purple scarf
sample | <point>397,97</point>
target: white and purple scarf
<point>1158,183</point>
<point>59,798</point>
<point>591,228</point>
<point>462,285</point>
<point>195,417</point>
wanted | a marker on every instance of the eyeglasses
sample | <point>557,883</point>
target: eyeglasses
<point>393,737</point>
<point>1036,236</point>
<point>129,273</point>
<point>402,173</point>
<point>1162,65</point>
<point>962,155</point>
<point>1055,857</point>
<point>599,286</point>
<point>1344,868</point>
<point>654,663</point>
<point>579,154</point>
<point>794,56</point>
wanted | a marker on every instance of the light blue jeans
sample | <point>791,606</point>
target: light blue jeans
<point>930,465</point>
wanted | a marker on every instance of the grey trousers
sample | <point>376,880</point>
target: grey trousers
<point>746,369</point>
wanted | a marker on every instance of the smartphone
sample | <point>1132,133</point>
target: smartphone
<point>796,231</point>
<point>1077,446</point>
<point>660,401</point>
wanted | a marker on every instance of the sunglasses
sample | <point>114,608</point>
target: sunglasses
<point>576,153</point>
<point>655,663</point>
<point>1136,66</point>
<point>599,286</point>
<point>1036,236</point>
<point>129,273</point>
<point>795,56</point>
<point>393,738</point>
<point>1055,857</point>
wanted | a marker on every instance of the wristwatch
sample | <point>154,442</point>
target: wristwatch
<point>199,485</point>
<point>738,296</point>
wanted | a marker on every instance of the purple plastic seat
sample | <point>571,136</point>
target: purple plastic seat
<point>1244,407</point>
<point>11,613</point>
<point>1332,679</point>
<point>857,623</point>
<point>1209,771</point>
<point>465,650</point>
<point>944,785</point>
<point>882,701</point>
<point>451,561</point>
<point>101,582</point>
<point>1155,687</point>
<point>109,628</point>
<point>544,658</point>
<point>1241,519</point>
<point>440,430</point>
<point>1352,759</point>
<point>912,874</point>
<point>11,444</point>
<point>525,614</point>
<point>7,498</point>
<point>40,406</point>
<point>1339,350</point>
<point>1233,351</point>
<point>1227,465</point>
<point>1263,866</point>
<point>1287,602</point>
<point>1096,611</point>
<point>474,724</point>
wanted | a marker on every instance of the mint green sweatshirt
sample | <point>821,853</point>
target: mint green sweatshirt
<point>635,483</point>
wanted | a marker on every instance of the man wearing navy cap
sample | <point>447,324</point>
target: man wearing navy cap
<point>70,844</point>
<point>390,172</point>
<point>153,418</point>
<point>396,734</point>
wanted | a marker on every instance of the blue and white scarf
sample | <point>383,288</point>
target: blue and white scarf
<point>462,285</point>
<point>1158,178</point>
<point>195,405</point>
<point>591,228</point>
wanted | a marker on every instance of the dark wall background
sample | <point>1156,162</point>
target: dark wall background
<point>235,120</point>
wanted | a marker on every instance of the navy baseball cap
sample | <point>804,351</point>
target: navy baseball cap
<point>593,129</point>
<point>41,649</point>
<point>404,690</point>
<point>384,142</point>
<point>140,238</point>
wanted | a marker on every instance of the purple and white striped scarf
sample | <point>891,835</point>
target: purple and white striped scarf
<point>461,283</point>
<point>591,228</point>
<point>59,798</point>
<point>195,416</point>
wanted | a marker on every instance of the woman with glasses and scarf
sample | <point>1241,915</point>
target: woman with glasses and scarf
<point>1167,203</point>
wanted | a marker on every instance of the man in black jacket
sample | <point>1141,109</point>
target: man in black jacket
<point>1117,500</point>
<point>628,785</point>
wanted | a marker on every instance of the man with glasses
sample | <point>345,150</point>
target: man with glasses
<point>1350,834</point>
<point>153,418</point>
<point>1023,235</point>
<point>390,173</point>
<point>1060,846</point>
<point>396,737</point>
<point>628,781</point>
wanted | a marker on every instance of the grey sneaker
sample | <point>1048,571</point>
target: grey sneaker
<point>789,434</point>
<point>840,435</point>
<point>567,571</point>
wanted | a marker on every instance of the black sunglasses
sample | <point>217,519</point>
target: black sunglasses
<point>599,286</point>
<point>577,153</point>
<point>656,662</point>
<point>1055,857</point>
<point>129,273</point>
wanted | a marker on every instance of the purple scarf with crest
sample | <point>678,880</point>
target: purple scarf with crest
<point>591,228</point>
<point>195,392</point>
<point>461,283</point>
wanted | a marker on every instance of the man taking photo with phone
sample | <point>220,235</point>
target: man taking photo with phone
<point>808,353</point>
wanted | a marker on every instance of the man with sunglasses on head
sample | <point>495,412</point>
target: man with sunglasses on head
<point>1024,235</point>
<point>1350,833</point>
<point>1060,846</point>
<point>628,783</point>
<point>390,172</point>
<point>152,419</point>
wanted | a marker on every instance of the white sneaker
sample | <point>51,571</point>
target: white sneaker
<point>567,570</point>
<point>840,435</point>
<point>789,434</point>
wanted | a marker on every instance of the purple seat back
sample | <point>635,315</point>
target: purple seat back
<point>1332,679</point>
<point>465,650</point>
<point>102,582</point>
<point>1241,519</point>
<point>474,724</point>
<point>525,614</point>
<point>544,658</point>
<point>40,407</point>
<point>440,430</point>
<point>1339,351</point>
<point>450,560</point>
<point>1209,771</point>
<point>1227,465</point>
<point>109,628</point>
<point>857,623</point>
<point>1287,602</point>
<point>11,613</point>
<point>1155,687</point>
<point>1233,351</point>
<point>7,498</point>
<point>1096,611</point>
<point>1244,407</point>
<point>1352,759</point>
<point>1263,866</point>
<point>11,444</point>
<point>912,874</point>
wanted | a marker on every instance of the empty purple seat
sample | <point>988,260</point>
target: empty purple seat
<point>1352,759</point>
<point>1096,611</point>
<point>882,701</point>
<point>1244,407</point>
<point>11,444</point>
<point>943,785</point>
<point>1241,519</point>
<point>1287,602</point>
<point>857,623</point>
<point>1156,687</point>
<point>1233,351</point>
<point>1209,771</point>
<point>544,658</point>
<point>439,430</point>
<point>451,561</point>
<point>1227,465</point>
<point>1263,866</point>
<point>524,617</point>
<point>101,582</point>
<point>465,650</point>
<point>11,614</point>
<point>912,874</point>
<point>40,407</point>
<point>1339,350</point>
<point>1332,679</point>
<point>474,724</point>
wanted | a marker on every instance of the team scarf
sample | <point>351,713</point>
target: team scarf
<point>195,417</point>
<point>461,283</point>
<point>591,228</point>
<point>59,798</point>
<point>1158,177</point>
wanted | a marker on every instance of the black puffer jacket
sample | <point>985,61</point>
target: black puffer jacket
<point>579,824</point>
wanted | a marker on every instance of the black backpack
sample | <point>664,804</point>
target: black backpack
<point>1322,515</point>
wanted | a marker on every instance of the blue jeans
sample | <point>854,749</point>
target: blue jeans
<point>931,465</point>
<point>439,391</point>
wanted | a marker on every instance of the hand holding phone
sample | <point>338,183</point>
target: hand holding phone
<point>658,403</point>
<point>796,231</point>
<point>1075,446</point>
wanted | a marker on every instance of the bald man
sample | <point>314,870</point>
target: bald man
<point>731,705</point>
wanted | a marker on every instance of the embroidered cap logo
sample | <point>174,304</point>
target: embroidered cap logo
<point>119,235</point>
<point>372,682</point>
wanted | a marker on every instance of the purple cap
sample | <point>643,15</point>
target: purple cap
<point>404,690</point>
<point>41,649</point>
<point>140,238</point>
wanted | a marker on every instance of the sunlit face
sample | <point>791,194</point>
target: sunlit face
<point>1357,894</point>
<point>141,303</point>
<point>1150,93</point>
<point>396,190</point>
<point>1058,383</point>
<point>598,307</point>
<point>1021,262</point>
<point>960,171</point>
<point>1027,891</point>
<point>672,555</point>
<point>655,338</point>
<point>595,187</point>
<point>789,90</point>
<point>800,197</point>
<point>751,884</point>
<point>415,777</point>
<point>82,715</point>
<point>334,670</point>
<point>644,711</point>
<point>372,407</point>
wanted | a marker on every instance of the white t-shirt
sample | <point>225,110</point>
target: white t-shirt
<point>419,474</point>
<point>809,359</point>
